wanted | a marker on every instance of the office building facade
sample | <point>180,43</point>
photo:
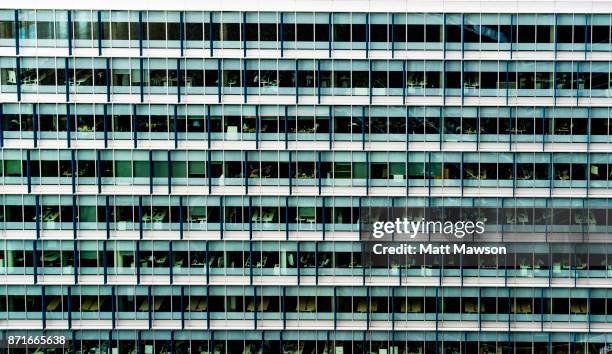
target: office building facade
<point>190,177</point>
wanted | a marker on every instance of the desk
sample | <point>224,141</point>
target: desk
<point>523,308</point>
<point>306,215</point>
<point>578,309</point>
<point>310,305</point>
<point>87,303</point>
<point>262,304</point>
<point>144,306</point>
<point>94,306</point>
<point>161,260</point>
<point>48,215</point>
<point>197,219</point>
<point>197,304</point>
<point>269,216</point>
<point>582,220</point>
<point>301,306</point>
<point>470,307</point>
<point>159,216</point>
<point>51,256</point>
<point>262,262</point>
<point>51,306</point>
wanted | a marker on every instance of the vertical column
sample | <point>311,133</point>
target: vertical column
<point>330,37</point>
<point>281,34</point>
<point>181,217</point>
<point>207,266</point>
<point>141,83</point>
<point>507,77</point>
<point>134,126</point>
<point>441,127</point>
<point>113,308</point>
<point>367,185</point>
<point>219,78</point>
<point>105,126</point>
<point>392,305</point>
<point>210,34</point>
<point>222,219</point>
<point>18,77</point>
<point>323,221</point>
<point>588,151</point>
<point>404,82</point>
<point>319,81</point>
<point>75,249</point>
<point>68,124</point>
<point>577,82</point>
<point>208,133</point>
<point>370,82</point>
<point>29,171</point>
<point>243,34</point>
<point>69,310</point>
<point>367,35</point>
<point>250,214</point>
<point>182,307</point>
<point>286,127</point>
<point>107,80</point>
<point>105,261</point>
<point>1,125</point>
<point>140,35</point>
<point>392,34</point>
<point>245,174</point>
<point>138,261</point>
<point>140,229</point>
<point>330,122</point>
<point>179,81</point>
<point>296,81</point>
<point>363,127</point>
<point>407,122</point>
<point>69,24</point>
<point>461,173</point>
<point>244,80</point>
<point>286,218</point>
<point>297,261</point>
<point>175,125</point>
<point>73,170</point>
<point>35,254</point>
<point>319,177</point>
<point>208,174</point>
<point>169,158</point>
<point>99,170</point>
<point>150,171</point>
<point>67,78</point>
<point>107,214</point>
<point>212,337</point>
<point>17,34</point>
<point>182,32</point>
<point>290,173</point>
<point>35,125</point>
<point>555,39</point>
<point>150,307</point>
<point>257,124</point>
<point>100,33</point>
<point>477,128</point>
